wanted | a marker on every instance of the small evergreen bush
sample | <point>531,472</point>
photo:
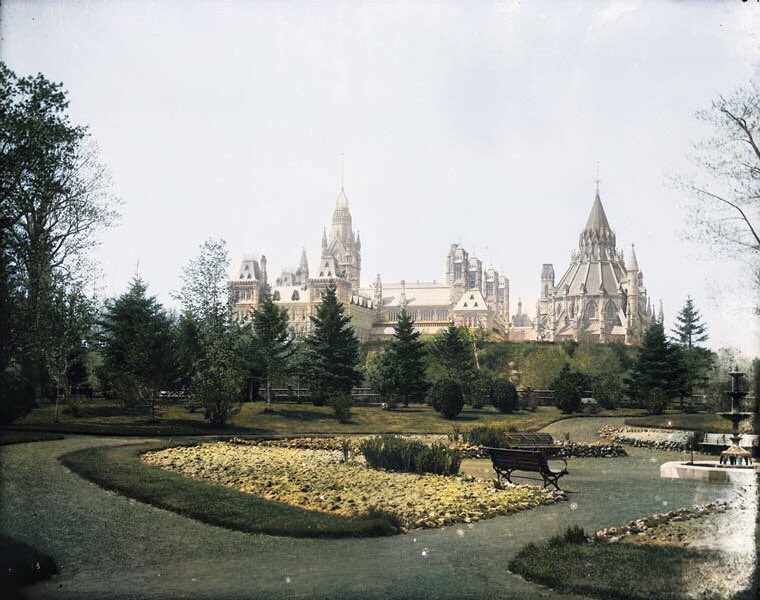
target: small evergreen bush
<point>481,390</point>
<point>342,404</point>
<point>568,389</point>
<point>656,402</point>
<point>446,398</point>
<point>394,453</point>
<point>574,534</point>
<point>504,396</point>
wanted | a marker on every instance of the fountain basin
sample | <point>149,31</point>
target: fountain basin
<point>709,471</point>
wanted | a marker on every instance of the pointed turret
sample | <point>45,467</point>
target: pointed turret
<point>358,242</point>
<point>324,238</point>
<point>632,264</point>
<point>597,219</point>
<point>402,297</point>
<point>303,267</point>
<point>660,314</point>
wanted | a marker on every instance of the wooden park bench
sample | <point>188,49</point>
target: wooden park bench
<point>720,441</point>
<point>543,442</point>
<point>507,460</point>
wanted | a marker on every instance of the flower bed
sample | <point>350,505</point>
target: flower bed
<point>320,480</point>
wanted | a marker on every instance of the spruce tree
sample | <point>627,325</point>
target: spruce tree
<point>452,357</point>
<point>688,333</point>
<point>272,340</point>
<point>332,350</point>
<point>137,346</point>
<point>658,373</point>
<point>403,363</point>
<point>689,330</point>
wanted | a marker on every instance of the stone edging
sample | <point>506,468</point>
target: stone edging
<point>639,526</point>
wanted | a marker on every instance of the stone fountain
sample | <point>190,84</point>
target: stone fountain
<point>735,465</point>
<point>735,455</point>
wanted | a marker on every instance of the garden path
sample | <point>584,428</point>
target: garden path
<point>110,546</point>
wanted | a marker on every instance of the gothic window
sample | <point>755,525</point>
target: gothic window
<point>610,312</point>
<point>591,310</point>
<point>276,296</point>
<point>295,295</point>
<point>476,305</point>
<point>465,305</point>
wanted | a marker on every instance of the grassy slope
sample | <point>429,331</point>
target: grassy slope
<point>601,570</point>
<point>287,419</point>
<point>690,421</point>
<point>119,468</point>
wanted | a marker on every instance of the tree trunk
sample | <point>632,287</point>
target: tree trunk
<point>269,393</point>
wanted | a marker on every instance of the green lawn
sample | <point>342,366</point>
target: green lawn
<point>22,437</point>
<point>689,421</point>
<point>624,571</point>
<point>102,417</point>
<point>119,468</point>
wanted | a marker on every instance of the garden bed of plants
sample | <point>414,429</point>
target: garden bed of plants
<point>321,480</point>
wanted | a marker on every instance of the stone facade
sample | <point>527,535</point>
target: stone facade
<point>469,295</point>
<point>601,297</point>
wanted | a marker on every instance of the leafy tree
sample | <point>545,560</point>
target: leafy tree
<point>333,350</point>
<point>541,365</point>
<point>602,365</point>
<point>568,389</point>
<point>55,195</point>
<point>402,365</point>
<point>68,353</point>
<point>658,373</point>
<point>137,346</point>
<point>451,356</point>
<point>224,354</point>
<point>273,341</point>
<point>446,397</point>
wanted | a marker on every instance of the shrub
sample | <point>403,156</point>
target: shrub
<point>568,389</point>
<point>481,390</point>
<point>488,435</point>
<point>504,396</point>
<point>394,453</point>
<point>342,404</point>
<point>528,401</point>
<point>574,534</point>
<point>446,398</point>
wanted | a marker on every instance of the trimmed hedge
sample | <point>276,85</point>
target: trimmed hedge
<point>446,398</point>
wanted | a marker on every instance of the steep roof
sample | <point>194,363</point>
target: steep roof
<point>597,219</point>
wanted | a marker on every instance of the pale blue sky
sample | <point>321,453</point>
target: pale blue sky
<point>471,122</point>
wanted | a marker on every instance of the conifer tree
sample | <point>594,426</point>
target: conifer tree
<point>272,340</point>
<point>688,333</point>
<point>689,330</point>
<point>332,350</point>
<point>403,362</point>
<point>451,357</point>
<point>658,373</point>
<point>137,346</point>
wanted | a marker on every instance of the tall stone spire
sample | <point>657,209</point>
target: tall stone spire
<point>632,264</point>
<point>304,265</point>
<point>597,240</point>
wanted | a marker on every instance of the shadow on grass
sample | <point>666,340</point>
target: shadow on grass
<point>173,427</point>
<point>300,415</point>
<point>119,468</point>
<point>23,437</point>
<point>22,565</point>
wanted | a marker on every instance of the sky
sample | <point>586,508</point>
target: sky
<point>480,123</point>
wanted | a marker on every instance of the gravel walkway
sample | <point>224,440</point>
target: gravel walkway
<point>109,546</point>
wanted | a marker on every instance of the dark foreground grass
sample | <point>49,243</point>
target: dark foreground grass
<point>22,437</point>
<point>119,468</point>
<point>601,570</point>
<point>22,565</point>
